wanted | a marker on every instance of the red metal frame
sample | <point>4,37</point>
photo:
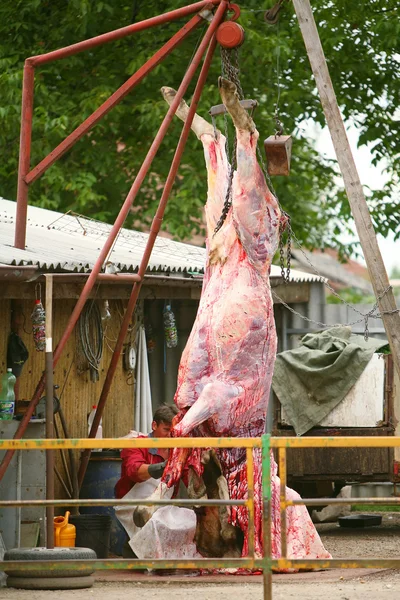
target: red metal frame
<point>116,97</point>
<point>28,93</point>
<point>23,173</point>
<point>155,228</point>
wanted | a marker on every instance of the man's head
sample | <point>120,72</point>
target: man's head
<point>162,420</point>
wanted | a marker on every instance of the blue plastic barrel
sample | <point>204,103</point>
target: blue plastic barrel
<point>102,473</point>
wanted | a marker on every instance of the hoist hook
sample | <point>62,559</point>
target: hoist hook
<point>271,16</point>
<point>235,8</point>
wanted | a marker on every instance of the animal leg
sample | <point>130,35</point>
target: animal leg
<point>255,211</point>
<point>199,125</point>
<point>215,157</point>
<point>240,117</point>
<point>214,402</point>
<point>142,514</point>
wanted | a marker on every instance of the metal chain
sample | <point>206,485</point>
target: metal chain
<point>285,225</point>
<point>334,293</point>
<point>230,70</point>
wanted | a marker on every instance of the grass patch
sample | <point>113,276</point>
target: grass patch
<point>375,508</point>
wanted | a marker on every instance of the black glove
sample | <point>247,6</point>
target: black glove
<point>157,470</point>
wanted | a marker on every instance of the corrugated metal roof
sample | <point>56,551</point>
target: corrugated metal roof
<point>69,242</point>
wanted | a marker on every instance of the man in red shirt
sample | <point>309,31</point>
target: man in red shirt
<point>140,464</point>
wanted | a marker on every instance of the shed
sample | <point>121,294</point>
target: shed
<point>67,245</point>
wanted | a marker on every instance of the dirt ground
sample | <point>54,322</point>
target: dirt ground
<point>344,584</point>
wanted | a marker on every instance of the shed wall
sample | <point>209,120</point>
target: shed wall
<point>79,393</point>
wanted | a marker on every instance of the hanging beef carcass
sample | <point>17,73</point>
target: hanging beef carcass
<point>226,368</point>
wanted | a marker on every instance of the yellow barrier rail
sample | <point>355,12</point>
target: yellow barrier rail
<point>266,563</point>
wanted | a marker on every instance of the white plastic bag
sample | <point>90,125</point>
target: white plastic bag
<point>168,534</point>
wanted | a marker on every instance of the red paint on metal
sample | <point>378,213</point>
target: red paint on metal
<point>27,99</point>
<point>235,8</point>
<point>117,34</point>
<point>24,154</point>
<point>230,35</point>
<point>156,224</point>
<point>110,240</point>
<point>113,100</point>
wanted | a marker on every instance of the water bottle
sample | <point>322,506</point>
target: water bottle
<point>99,433</point>
<point>7,396</point>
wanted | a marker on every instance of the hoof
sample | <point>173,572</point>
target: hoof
<point>230,98</point>
<point>228,91</point>
<point>168,94</point>
<point>141,515</point>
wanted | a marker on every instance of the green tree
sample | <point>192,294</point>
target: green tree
<point>361,41</point>
<point>395,272</point>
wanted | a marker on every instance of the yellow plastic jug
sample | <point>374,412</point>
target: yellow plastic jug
<point>64,532</point>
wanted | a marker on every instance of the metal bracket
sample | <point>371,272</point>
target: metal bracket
<point>235,8</point>
<point>220,109</point>
<point>207,14</point>
<point>271,16</point>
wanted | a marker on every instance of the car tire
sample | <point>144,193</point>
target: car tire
<point>50,583</point>
<point>58,553</point>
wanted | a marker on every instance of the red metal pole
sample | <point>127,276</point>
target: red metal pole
<point>155,228</point>
<point>24,154</point>
<point>116,97</point>
<point>117,34</point>
<point>117,226</point>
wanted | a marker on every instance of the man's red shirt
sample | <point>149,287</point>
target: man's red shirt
<point>132,459</point>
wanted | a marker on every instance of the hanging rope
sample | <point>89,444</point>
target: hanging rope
<point>90,330</point>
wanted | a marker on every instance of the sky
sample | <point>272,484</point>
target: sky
<point>373,176</point>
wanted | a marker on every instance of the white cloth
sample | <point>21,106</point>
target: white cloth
<point>143,406</point>
<point>168,534</point>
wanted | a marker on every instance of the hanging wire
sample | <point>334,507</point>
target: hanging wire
<point>91,337</point>
<point>278,73</point>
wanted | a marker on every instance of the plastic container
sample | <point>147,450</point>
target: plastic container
<point>360,521</point>
<point>99,433</point>
<point>64,532</point>
<point>93,531</point>
<point>7,396</point>
<point>102,473</point>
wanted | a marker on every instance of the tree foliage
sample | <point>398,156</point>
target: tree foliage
<point>361,42</point>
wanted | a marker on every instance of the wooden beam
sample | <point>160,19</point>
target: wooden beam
<point>26,291</point>
<point>354,190</point>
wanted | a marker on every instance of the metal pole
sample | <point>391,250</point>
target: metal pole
<point>49,412</point>
<point>266,486</point>
<point>117,34</point>
<point>24,154</point>
<point>113,100</point>
<point>115,230</point>
<point>156,224</point>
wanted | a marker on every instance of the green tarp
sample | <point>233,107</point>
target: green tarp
<point>311,380</point>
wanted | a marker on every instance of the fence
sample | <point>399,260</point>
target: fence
<point>266,563</point>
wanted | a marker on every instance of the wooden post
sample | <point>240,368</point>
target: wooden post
<point>49,412</point>
<point>355,194</point>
